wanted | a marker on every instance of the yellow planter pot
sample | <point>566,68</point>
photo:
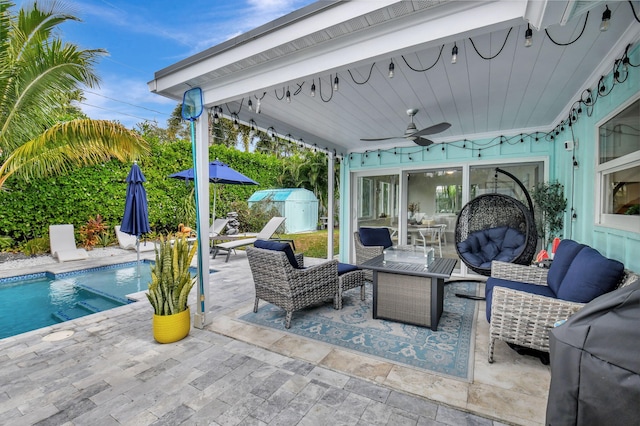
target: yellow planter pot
<point>171,328</point>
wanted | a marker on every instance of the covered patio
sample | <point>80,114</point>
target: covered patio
<point>520,82</point>
<point>526,85</point>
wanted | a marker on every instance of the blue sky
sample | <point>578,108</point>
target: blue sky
<point>145,36</point>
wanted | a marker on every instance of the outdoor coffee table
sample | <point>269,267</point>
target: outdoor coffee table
<point>408,292</point>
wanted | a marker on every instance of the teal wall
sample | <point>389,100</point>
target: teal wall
<point>616,244</point>
<point>620,245</point>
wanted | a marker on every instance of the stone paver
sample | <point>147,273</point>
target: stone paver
<point>110,371</point>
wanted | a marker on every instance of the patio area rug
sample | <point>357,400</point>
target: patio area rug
<point>449,351</point>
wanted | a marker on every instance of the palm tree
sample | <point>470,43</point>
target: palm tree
<point>38,71</point>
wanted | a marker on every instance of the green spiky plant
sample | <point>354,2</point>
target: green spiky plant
<point>171,280</point>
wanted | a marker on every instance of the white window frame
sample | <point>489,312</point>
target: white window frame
<point>615,221</point>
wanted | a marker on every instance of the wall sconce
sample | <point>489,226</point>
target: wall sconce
<point>606,17</point>
<point>528,35</point>
<point>454,54</point>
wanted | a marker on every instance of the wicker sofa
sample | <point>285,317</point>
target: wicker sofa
<point>524,302</point>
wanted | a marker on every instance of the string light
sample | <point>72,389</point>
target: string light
<point>313,89</point>
<point>392,67</point>
<point>250,105</point>
<point>336,83</point>
<point>288,96</point>
<point>454,54</point>
<point>528,36</point>
<point>606,17</point>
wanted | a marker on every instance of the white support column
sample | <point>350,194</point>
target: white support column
<point>330,203</point>
<point>200,319</point>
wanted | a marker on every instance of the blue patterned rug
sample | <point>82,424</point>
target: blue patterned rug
<point>449,351</point>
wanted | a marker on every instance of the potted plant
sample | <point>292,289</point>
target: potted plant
<point>169,289</point>
<point>550,207</point>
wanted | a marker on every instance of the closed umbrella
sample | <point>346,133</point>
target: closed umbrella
<point>219,172</point>
<point>135,220</point>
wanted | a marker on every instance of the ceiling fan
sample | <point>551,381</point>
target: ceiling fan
<point>413,134</point>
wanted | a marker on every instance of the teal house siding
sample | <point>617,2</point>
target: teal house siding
<point>578,182</point>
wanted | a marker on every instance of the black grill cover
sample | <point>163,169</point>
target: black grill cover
<point>595,363</point>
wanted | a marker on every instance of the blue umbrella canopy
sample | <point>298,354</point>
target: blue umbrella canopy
<point>135,220</point>
<point>219,172</point>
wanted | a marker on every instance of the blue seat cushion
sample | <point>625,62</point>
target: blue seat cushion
<point>589,276</point>
<point>500,243</point>
<point>344,268</point>
<point>375,237</point>
<point>278,246</point>
<point>541,290</point>
<point>566,251</point>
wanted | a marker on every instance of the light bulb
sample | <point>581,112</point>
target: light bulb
<point>335,83</point>
<point>250,105</point>
<point>606,17</point>
<point>313,89</point>
<point>288,96</point>
<point>392,67</point>
<point>454,54</point>
<point>528,36</point>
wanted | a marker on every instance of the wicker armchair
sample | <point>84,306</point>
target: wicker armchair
<point>523,318</point>
<point>291,289</point>
<point>364,253</point>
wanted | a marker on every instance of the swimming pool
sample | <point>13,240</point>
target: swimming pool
<point>29,302</point>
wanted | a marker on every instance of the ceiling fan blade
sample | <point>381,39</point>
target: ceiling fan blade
<point>436,128</point>
<point>422,141</point>
<point>378,139</point>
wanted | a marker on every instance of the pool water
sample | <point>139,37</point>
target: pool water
<point>29,302</point>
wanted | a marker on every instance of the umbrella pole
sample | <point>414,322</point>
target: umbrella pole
<point>138,253</point>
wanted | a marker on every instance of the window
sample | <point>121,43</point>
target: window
<point>618,169</point>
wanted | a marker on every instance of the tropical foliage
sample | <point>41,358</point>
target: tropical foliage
<point>550,204</point>
<point>39,75</point>
<point>171,279</point>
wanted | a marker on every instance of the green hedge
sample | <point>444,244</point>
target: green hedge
<point>28,208</point>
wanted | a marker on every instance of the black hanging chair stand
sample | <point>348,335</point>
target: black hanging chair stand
<point>495,210</point>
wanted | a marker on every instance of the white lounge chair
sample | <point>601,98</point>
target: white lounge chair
<point>62,241</point>
<point>128,242</point>
<point>216,229</point>
<point>266,233</point>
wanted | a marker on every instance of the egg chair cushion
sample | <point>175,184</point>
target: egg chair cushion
<point>482,247</point>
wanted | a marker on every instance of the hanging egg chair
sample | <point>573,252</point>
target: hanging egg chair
<point>496,227</point>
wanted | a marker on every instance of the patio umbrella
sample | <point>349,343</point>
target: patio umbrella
<point>219,172</point>
<point>135,220</point>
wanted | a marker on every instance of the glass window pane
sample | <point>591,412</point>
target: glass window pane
<point>620,136</point>
<point>434,200</point>
<point>622,192</point>
<point>483,180</point>
<point>378,201</point>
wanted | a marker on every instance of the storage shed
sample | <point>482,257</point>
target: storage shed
<point>298,205</point>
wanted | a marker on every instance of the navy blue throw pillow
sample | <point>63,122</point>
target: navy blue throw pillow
<point>375,237</point>
<point>278,246</point>
<point>589,276</point>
